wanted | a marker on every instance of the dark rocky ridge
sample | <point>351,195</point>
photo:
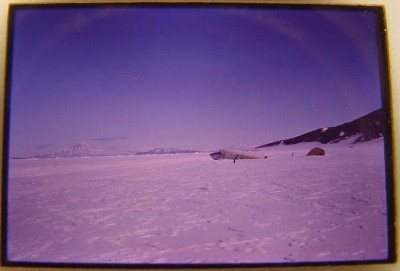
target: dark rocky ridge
<point>366,128</point>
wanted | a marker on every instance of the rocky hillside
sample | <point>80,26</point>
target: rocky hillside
<point>365,128</point>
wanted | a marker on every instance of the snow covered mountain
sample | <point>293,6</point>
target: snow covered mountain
<point>78,150</point>
<point>363,129</point>
<point>86,150</point>
<point>165,151</point>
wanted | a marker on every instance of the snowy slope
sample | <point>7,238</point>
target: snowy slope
<point>363,129</point>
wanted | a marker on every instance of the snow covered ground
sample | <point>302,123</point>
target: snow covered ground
<point>189,208</point>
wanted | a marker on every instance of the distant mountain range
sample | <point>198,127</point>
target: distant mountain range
<point>165,151</point>
<point>78,150</point>
<point>363,129</point>
<point>85,150</point>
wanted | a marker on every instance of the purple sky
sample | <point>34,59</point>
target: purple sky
<point>191,78</point>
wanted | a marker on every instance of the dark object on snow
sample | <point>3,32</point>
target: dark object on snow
<point>316,151</point>
<point>236,154</point>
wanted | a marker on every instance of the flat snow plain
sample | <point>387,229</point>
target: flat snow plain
<point>191,209</point>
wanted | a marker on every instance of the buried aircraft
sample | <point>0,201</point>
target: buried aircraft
<point>237,154</point>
